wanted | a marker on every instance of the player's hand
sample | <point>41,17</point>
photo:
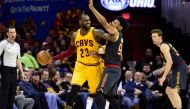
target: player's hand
<point>91,6</point>
<point>101,50</point>
<point>112,28</point>
<point>92,53</point>
<point>51,61</point>
<point>161,81</point>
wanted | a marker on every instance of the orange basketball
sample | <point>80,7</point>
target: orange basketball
<point>44,57</point>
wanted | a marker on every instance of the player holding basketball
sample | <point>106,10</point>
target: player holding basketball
<point>108,85</point>
<point>174,63</point>
<point>87,67</point>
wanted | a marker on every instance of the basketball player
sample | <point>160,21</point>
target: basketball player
<point>108,85</point>
<point>87,67</point>
<point>174,63</point>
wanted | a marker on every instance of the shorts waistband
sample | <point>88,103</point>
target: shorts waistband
<point>181,62</point>
<point>89,64</point>
<point>112,65</point>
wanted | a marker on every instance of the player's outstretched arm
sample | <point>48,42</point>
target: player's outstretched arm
<point>100,34</point>
<point>111,28</point>
<point>64,54</point>
<point>99,17</point>
<point>69,51</point>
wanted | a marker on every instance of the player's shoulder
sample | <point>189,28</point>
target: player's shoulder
<point>164,44</point>
<point>164,47</point>
<point>74,34</point>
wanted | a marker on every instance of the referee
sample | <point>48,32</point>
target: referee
<point>10,59</point>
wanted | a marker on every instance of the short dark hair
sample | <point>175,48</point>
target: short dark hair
<point>159,31</point>
<point>83,14</point>
<point>146,64</point>
<point>9,27</point>
<point>124,23</point>
<point>35,73</point>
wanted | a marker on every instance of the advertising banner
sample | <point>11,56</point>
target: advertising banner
<point>39,16</point>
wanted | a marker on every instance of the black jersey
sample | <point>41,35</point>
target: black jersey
<point>113,52</point>
<point>176,58</point>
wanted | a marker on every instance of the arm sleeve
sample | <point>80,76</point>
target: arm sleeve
<point>64,54</point>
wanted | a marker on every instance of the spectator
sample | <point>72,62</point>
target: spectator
<point>66,84</point>
<point>159,62</point>
<point>128,77</point>
<point>147,59</point>
<point>140,90</point>
<point>38,86</point>
<point>28,60</point>
<point>22,102</point>
<point>55,81</point>
<point>30,92</point>
<point>52,99</point>
<point>148,76</point>
<point>126,90</point>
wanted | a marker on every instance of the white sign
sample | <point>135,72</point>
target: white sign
<point>117,5</point>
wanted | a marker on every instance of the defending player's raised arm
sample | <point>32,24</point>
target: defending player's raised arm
<point>69,51</point>
<point>99,17</point>
<point>98,33</point>
<point>165,50</point>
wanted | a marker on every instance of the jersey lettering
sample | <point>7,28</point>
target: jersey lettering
<point>84,42</point>
<point>120,49</point>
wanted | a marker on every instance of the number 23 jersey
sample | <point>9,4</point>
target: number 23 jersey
<point>85,44</point>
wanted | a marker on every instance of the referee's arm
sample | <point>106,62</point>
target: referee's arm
<point>19,65</point>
